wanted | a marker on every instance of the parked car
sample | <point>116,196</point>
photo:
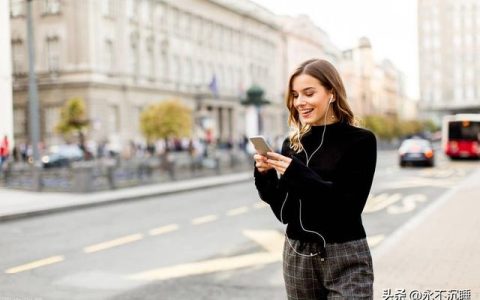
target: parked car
<point>416,151</point>
<point>62,156</point>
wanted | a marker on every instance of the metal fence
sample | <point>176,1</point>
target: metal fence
<point>115,173</point>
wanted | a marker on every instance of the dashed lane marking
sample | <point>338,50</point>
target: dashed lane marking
<point>163,229</point>
<point>113,243</point>
<point>260,205</point>
<point>204,219</point>
<point>237,211</point>
<point>36,264</point>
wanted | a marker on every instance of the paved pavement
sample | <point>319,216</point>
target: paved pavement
<point>434,256</point>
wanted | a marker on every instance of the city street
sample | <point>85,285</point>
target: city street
<point>217,243</point>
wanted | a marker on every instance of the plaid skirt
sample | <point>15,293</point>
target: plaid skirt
<point>340,271</point>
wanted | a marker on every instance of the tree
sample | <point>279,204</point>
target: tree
<point>73,118</point>
<point>164,120</point>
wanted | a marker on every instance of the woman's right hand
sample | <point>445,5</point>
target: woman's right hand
<point>261,163</point>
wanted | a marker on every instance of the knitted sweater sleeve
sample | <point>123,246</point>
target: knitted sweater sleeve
<point>273,190</point>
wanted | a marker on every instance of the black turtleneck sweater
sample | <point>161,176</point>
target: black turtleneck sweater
<point>331,190</point>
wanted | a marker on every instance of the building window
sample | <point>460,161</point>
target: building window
<point>146,12</point>
<point>113,119</point>
<point>151,58</point>
<point>53,54</point>
<point>134,55</point>
<point>18,57</point>
<point>164,68</point>
<point>109,56</point>
<point>17,8</point>
<point>19,121</point>
<point>131,7</point>
<point>51,7</point>
<point>52,117</point>
<point>108,8</point>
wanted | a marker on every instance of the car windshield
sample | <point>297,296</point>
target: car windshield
<point>415,142</point>
<point>66,150</point>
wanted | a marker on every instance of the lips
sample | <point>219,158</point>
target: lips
<point>305,113</point>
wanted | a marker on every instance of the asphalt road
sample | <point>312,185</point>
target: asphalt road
<point>218,243</point>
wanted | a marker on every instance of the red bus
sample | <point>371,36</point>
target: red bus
<point>461,135</point>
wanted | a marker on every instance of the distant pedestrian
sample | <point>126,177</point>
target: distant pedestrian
<point>325,172</point>
<point>4,151</point>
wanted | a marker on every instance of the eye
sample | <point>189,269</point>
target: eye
<point>294,96</point>
<point>309,94</point>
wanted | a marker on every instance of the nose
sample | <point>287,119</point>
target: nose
<point>299,101</point>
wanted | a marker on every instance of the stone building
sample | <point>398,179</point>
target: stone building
<point>449,44</point>
<point>122,55</point>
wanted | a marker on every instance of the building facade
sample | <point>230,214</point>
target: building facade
<point>373,88</point>
<point>6,107</point>
<point>304,40</point>
<point>449,44</point>
<point>122,55</point>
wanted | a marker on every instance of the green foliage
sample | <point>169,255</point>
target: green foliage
<point>72,117</point>
<point>388,128</point>
<point>167,119</point>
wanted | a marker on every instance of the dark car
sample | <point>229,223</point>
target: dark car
<point>416,151</point>
<point>62,156</point>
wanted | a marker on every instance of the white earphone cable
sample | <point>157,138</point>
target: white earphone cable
<point>300,200</point>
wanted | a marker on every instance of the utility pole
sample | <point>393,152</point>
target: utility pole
<point>34,113</point>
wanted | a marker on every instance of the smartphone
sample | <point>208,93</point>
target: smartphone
<point>260,144</point>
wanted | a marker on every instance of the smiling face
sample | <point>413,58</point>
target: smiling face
<point>310,99</point>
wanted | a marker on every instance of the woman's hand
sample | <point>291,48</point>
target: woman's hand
<point>278,161</point>
<point>261,163</point>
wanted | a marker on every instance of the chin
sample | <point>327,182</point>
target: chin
<point>310,122</point>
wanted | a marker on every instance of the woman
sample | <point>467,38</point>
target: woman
<point>318,185</point>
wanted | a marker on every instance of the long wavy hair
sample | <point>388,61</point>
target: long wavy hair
<point>330,79</point>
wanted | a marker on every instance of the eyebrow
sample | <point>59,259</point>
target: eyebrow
<point>307,88</point>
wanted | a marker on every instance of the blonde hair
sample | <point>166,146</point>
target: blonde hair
<point>330,79</point>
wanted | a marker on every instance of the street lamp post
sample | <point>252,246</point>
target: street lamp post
<point>34,115</point>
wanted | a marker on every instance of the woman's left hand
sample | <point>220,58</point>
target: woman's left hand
<point>278,161</point>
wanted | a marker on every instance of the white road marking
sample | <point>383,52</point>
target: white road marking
<point>271,240</point>
<point>379,202</point>
<point>237,211</point>
<point>163,229</point>
<point>113,243</point>
<point>208,266</point>
<point>36,264</point>
<point>204,219</point>
<point>408,204</point>
<point>375,239</point>
<point>259,205</point>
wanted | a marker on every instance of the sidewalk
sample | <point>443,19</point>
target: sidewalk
<point>437,252</point>
<point>15,204</point>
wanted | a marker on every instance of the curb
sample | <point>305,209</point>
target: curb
<point>135,193</point>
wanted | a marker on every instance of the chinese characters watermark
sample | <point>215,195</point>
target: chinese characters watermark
<point>402,294</point>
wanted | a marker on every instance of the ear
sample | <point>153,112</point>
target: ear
<point>332,97</point>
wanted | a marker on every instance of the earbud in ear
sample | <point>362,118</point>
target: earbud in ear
<point>331,100</point>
